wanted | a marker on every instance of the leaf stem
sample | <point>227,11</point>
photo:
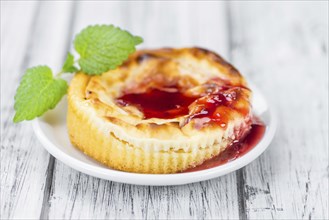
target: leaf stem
<point>59,74</point>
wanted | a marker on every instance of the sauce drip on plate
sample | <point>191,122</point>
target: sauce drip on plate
<point>236,149</point>
<point>214,102</point>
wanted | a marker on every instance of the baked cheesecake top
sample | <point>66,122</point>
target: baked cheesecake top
<point>170,97</point>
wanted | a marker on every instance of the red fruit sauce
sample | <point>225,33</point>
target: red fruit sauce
<point>157,103</point>
<point>236,149</point>
<point>167,103</point>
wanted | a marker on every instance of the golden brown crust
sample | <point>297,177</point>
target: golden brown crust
<point>121,138</point>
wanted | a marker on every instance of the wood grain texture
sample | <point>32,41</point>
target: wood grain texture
<point>282,47</point>
<point>28,38</point>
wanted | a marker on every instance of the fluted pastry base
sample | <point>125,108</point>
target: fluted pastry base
<point>120,155</point>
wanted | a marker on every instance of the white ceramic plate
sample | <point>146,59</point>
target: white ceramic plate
<point>52,132</point>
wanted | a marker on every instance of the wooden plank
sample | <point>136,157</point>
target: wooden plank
<point>76,195</point>
<point>277,45</point>
<point>32,33</point>
<point>283,48</point>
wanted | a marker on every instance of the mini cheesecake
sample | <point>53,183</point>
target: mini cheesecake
<point>162,111</point>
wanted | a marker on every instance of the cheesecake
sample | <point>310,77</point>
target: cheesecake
<point>161,111</point>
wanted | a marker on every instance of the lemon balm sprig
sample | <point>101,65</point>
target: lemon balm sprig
<point>100,48</point>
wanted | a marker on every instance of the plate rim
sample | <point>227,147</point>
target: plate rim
<point>162,179</point>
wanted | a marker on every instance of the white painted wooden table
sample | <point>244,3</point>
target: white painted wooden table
<point>281,46</point>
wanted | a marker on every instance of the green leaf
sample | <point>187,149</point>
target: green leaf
<point>138,40</point>
<point>38,92</point>
<point>104,47</point>
<point>68,66</point>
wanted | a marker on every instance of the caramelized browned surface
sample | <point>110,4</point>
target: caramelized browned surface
<point>213,98</point>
